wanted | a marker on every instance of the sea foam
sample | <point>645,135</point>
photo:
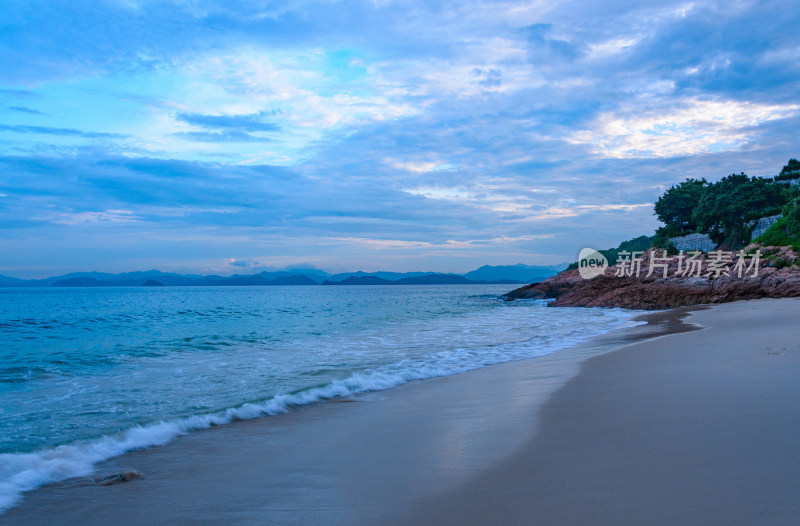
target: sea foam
<point>23,471</point>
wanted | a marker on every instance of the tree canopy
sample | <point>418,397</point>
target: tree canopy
<point>790,171</point>
<point>637,244</point>
<point>723,209</point>
<point>727,205</point>
<point>676,207</point>
<point>786,232</point>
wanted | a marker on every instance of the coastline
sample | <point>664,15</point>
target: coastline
<point>93,417</point>
<point>417,452</point>
<point>694,428</point>
<point>267,465</point>
<point>646,289</point>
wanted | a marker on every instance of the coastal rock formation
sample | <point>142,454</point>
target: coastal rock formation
<point>778,276</point>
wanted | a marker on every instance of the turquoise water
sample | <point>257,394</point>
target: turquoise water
<point>87,374</point>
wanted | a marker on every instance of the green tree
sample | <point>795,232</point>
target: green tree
<point>790,171</point>
<point>637,244</point>
<point>725,207</point>
<point>787,230</point>
<point>676,207</point>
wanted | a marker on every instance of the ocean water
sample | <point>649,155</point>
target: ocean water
<point>89,374</point>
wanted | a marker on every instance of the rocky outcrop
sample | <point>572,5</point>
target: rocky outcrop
<point>778,276</point>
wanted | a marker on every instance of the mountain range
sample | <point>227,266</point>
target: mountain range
<point>502,274</point>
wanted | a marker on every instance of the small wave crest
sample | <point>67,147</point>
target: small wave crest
<point>22,472</point>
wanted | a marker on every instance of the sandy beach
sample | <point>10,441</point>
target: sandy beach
<point>694,428</point>
<point>665,423</point>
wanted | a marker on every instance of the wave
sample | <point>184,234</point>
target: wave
<point>22,472</point>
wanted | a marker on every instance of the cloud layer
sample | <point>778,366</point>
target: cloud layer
<point>435,135</point>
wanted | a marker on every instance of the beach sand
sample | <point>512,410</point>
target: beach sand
<point>657,424</point>
<point>695,428</point>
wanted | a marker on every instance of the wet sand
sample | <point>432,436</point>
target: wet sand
<point>696,427</point>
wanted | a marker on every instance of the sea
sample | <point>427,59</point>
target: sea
<point>87,374</point>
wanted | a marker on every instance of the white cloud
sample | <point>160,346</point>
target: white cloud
<point>108,216</point>
<point>611,47</point>
<point>418,166</point>
<point>693,127</point>
<point>449,244</point>
<point>478,196</point>
<point>301,90</point>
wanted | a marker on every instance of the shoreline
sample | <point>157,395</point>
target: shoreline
<point>518,387</point>
<point>622,286</point>
<point>535,329</point>
<point>411,451</point>
<point>694,428</point>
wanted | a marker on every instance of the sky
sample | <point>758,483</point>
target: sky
<point>233,137</point>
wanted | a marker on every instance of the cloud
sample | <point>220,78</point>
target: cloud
<point>383,244</point>
<point>608,48</point>
<point>203,194</point>
<point>106,216</point>
<point>18,93</point>
<point>693,127</point>
<point>20,128</point>
<point>243,263</point>
<point>221,137</point>
<point>327,131</point>
<point>491,77</point>
<point>22,109</point>
<point>242,123</point>
<point>543,44</point>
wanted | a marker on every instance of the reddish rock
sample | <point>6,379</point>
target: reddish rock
<point>569,289</point>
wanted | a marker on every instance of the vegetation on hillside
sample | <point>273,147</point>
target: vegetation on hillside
<point>637,244</point>
<point>790,172</point>
<point>724,209</point>
<point>786,232</point>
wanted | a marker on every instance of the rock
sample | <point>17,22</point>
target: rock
<point>569,289</point>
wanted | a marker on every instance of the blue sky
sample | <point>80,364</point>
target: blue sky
<point>203,136</point>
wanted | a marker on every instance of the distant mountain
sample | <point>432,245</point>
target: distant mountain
<point>236,280</point>
<point>313,273</point>
<point>8,281</point>
<point>78,282</point>
<point>102,279</point>
<point>317,276</point>
<point>518,273</point>
<point>389,276</point>
<point>296,279</point>
<point>152,283</point>
<point>424,279</point>
<point>508,274</point>
<point>92,282</point>
<point>361,280</point>
<point>262,279</point>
